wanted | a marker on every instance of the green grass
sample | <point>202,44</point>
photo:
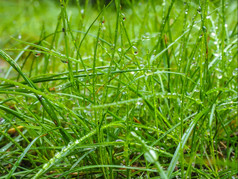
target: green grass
<point>141,89</point>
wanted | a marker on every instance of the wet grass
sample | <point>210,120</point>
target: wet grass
<point>140,89</point>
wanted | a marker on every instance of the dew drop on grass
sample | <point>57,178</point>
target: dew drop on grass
<point>147,34</point>
<point>199,10</point>
<point>123,16</point>
<point>119,140</point>
<point>119,50</point>
<point>135,50</point>
<point>37,53</point>
<point>57,155</point>
<point>213,34</point>
<point>151,156</point>
<point>208,17</point>
<point>82,11</point>
<point>235,72</point>
<point>196,90</point>
<point>219,76</point>
<point>145,37</point>
<point>19,36</point>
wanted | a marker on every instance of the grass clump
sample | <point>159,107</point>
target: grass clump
<point>124,90</point>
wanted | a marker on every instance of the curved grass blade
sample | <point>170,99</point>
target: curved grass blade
<point>20,158</point>
<point>59,156</point>
<point>183,141</point>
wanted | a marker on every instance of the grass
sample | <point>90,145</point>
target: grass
<point>141,89</point>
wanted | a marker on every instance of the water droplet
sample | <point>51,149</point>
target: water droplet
<point>57,155</point>
<point>123,16</point>
<point>151,156</point>
<point>103,21</point>
<point>119,140</point>
<point>213,34</point>
<point>37,53</point>
<point>19,36</point>
<point>208,17</point>
<point>64,61</point>
<point>82,11</point>
<point>235,72</point>
<point>119,50</point>
<point>215,42</point>
<point>225,25</point>
<point>135,50</point>
<point>216,55</point>
<point>219,70</point>
<point>146,36</point>
<point>199,10</point>
<point>219,76</point>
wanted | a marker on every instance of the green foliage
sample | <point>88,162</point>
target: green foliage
<point>132,89</point>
